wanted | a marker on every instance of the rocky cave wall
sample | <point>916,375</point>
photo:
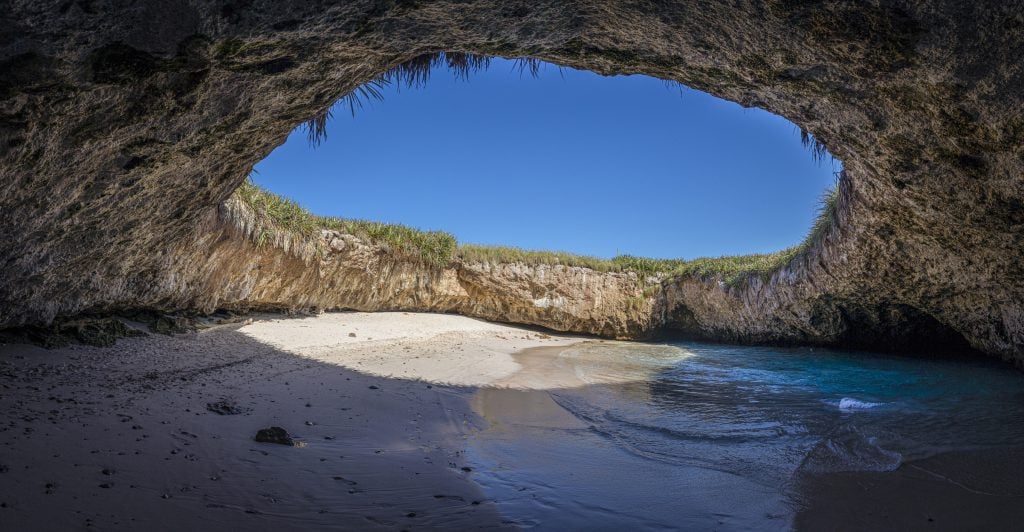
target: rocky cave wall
<point>126,125</point>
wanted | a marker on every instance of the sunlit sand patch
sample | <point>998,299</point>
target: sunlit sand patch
<point>455,350</point>
<point>435,348</point>
<point>589,363</point>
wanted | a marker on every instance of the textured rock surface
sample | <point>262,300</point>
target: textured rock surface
<point>125,125</point>
<point>242,265</point>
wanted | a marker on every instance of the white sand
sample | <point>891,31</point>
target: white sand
<point>121,438</point>
<point>436,348</point>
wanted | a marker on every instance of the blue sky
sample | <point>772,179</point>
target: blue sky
<point>567,161</point>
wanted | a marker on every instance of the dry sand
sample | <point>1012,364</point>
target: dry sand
<point>435,348</point>
<point>123,437</point>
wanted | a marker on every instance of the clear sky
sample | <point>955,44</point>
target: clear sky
<point>567,161</point>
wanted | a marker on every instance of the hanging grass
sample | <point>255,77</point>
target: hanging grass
<point>818,150</point>
<point>413,73</point>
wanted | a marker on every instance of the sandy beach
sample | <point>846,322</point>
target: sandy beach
<point>405,421</point>
<point>157,432</point>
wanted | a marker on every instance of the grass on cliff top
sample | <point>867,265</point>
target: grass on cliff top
<point>439,249</point>
<point>431,247</point>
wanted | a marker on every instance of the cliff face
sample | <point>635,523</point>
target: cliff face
<point>240,264</point>
<point>124,127</point>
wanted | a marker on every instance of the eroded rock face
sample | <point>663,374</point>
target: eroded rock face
<point>124,126</point>
<point>239,264</point>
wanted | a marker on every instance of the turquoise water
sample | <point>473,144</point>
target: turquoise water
<point>713,436</point>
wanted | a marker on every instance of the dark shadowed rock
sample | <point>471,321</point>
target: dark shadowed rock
<point>274,435</point>
<point>98,332</point>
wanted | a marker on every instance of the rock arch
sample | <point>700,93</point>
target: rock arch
<point>125,127</point>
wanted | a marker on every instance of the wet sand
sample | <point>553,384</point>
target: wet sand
<point>130,437</point>
<point>547,468</point>
<point>963,490</point>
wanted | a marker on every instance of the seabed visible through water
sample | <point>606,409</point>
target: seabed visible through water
<point>701,436</point>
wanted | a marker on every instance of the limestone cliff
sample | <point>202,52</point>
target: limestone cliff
<point>243,264</point>
<point>126,125</point>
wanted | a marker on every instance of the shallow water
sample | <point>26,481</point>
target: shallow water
<point>698,435</point>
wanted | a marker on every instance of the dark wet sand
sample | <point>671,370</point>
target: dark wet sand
<point>968,490</point>
<point>533,444</point>
<point>546,468</point>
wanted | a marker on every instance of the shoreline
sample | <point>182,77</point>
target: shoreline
<point>392,411</point>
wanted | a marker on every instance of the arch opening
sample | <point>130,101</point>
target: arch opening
<point>428,171</point>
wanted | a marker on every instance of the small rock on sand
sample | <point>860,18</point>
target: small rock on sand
<point>225,407</point>
<point>274,435</point>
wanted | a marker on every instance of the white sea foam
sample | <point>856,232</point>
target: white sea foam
<point>847,404</point>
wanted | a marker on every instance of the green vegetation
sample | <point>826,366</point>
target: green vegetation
<point>825,218</point>
<point>278,212</point>
<point>439,249</point>
<point>505,255</point>
<point>731,269</point>
<point>431,247</point>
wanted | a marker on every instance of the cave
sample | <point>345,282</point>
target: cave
<point>128,130</point>
<point>121,145</point>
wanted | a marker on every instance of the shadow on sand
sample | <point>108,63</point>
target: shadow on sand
<point>137,437</point>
